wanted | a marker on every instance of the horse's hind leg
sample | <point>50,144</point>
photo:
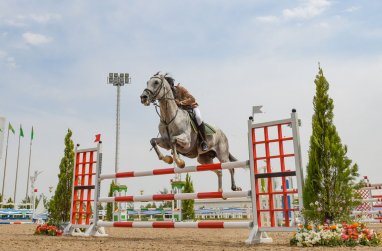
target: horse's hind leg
<point>231,171</point>
<point>233,184</point>
<point>205,159</point>
<point>154,143</point>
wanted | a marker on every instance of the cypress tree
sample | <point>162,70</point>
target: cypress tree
<point>109,205</point>
<point>188,212</point>
<point>59,206</point>
<point>330,188</point>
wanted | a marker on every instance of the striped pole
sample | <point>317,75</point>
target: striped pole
<point>371,184</point>
<point>171,224</point>
<point>371,221</point>
<point>182,196</point>
<point>372,200</point>
<point>15,222</point>
<point>188,169</point>
<point>371,187</point>
<point>379,212</point>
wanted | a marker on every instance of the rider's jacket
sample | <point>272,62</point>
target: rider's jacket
<point>182,95</point>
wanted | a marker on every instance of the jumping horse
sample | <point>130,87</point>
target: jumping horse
<point>177,133</point>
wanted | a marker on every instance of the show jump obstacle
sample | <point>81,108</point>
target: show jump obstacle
<point>371,208</point>
<point>274,163</point>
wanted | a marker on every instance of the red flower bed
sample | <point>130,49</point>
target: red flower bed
<point>45,229</point>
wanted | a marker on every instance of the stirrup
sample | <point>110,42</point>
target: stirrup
<point>204,146</point>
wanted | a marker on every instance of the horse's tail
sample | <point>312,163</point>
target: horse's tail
<point>231,158</point>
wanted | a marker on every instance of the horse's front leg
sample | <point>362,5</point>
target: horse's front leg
<point>179,162</point>
<point>182,141</point>
<point>162,143</point>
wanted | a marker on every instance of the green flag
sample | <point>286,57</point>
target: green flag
<point>21,132</point>
<point>32,134</point>
<point>10,127</point>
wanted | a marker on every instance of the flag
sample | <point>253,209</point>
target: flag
<point>21,132</point>
<point>97,138</point>
<point>32,134</point>
<point>10,127</point>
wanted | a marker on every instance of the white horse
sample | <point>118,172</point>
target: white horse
<point>177,133</point>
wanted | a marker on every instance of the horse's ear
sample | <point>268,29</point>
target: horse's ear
<point>156,74</point>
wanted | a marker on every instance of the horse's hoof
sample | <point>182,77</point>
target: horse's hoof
<point>235,188</point>
<point>168,159</point>
<point>180,163</point>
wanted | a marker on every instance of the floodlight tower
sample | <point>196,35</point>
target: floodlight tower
<point>118,80</point>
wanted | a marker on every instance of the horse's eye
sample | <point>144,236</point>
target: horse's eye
<point>156,82</point>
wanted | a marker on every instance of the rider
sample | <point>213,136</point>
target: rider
<point>186,101</point>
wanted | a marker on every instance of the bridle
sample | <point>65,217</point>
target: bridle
<point>153,99</point>
<point>154,95</point>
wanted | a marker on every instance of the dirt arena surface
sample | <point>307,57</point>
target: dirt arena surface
<point>21,237</point>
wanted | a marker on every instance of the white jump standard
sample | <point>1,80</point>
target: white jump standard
<point>283,165</point>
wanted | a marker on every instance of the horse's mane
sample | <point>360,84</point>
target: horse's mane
<point>167,76</point>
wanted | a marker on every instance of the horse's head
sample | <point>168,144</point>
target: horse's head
<point>157,89</point>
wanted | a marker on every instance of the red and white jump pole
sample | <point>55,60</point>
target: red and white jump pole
<point>187,169</point>
<point>182,196</point>
<point>171,224</point>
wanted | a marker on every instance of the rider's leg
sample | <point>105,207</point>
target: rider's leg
<point>201,129</point>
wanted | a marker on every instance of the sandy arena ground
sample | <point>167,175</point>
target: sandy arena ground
<point>20,237</point>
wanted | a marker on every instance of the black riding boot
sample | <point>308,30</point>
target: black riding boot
<point>202,134</point>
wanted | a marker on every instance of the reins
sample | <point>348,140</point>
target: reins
<point>153,100</point>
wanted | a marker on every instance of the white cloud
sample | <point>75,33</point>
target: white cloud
<point>44,18</point>
<point>352,9</point>
<point>309,9</point>
<point>3,54</point>
<point>17,21</point>
<point>36,39</point>
<point>8,60</point>
<point>24,20</point>
<point>11,62</point>
<point>267,19</point>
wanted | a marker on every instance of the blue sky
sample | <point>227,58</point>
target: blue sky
<point>55,56</point>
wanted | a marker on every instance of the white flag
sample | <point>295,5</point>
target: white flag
<point>2,132</point>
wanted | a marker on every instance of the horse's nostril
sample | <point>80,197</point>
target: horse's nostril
<point>144,97</point>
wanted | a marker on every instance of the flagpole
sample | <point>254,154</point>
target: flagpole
<point>5,165</point>
<point>29,165</point>
<point>17,169</point>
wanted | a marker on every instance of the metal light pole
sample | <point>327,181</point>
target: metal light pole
<point>118,80</point>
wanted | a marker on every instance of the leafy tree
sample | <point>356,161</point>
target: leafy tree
<point>9,201</point>
<point>25,201</point>
<point>149,205</point>
<point>330,189</point>
<point>188,212</point>
<point>59,206</point>
<point>166,203</point>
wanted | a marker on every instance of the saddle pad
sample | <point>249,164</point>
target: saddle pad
<point>210,130</point>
